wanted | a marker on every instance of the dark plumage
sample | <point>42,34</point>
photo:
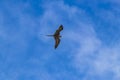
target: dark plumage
<point>57,36</point>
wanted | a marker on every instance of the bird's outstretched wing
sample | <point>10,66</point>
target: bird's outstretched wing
<point>58,30</point>
<point>57,41</point>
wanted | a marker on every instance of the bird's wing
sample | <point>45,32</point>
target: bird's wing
<point>57,41</point>
<point>58,30</point>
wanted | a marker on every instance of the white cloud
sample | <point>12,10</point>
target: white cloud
<point>95,59</point>
<point>90,57</point>
<point>108,60</point>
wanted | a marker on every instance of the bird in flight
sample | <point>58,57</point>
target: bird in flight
<point>57,36</point>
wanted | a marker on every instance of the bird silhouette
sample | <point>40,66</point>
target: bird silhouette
<point>57,36</point>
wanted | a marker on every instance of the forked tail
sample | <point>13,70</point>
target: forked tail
<point>47,35</point>
<point>50,35</point>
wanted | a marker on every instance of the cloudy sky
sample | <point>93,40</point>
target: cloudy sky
<point>89,48</point>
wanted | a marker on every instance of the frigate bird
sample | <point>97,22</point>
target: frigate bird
<point>57,36</point>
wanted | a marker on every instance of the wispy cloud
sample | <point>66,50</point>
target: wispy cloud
<point>92,57</point>
<point>23,56</point>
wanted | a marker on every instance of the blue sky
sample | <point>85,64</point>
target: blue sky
<point>89,48</point>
